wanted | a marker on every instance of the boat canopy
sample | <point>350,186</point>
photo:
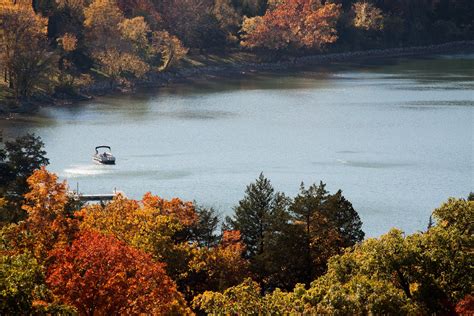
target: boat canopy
<point>96,149</point>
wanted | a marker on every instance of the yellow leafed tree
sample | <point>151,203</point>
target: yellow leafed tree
<point>367,16</point>
<point>152,224</point>
<point>123,46</point>
<point>24,59</point>
<point>48,222</point>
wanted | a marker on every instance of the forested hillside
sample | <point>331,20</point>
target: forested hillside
<point>275,255</point>
<point>54,47</point>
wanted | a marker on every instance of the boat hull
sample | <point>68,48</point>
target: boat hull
<point>104,161</point>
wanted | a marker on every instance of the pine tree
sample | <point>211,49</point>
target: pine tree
<point>261,218</point>
<point>307,211</point>
<point>328,223</point>
<point>430,223</point>
<point>204,230</point>
<point>253,215</point>
<point>18,161</point>
<point>343,215</point>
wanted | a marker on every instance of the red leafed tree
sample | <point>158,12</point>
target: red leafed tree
<point>100,275</point>
<point>293,24</point>
<point>466,305</point>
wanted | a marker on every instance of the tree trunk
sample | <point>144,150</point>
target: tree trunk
<point>10,81</point>
<point>404,284</point>
<point>170,59</point>
<point>309,261</point>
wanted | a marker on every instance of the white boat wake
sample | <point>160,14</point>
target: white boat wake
<point>86,170</point>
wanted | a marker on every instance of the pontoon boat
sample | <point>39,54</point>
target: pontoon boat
<point>105,156</point>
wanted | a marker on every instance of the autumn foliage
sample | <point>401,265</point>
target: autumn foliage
<point>292,256</point>
<point>293,24</point>
<point>161,228</point>
<point>100,275</point>
<point>178,210</point>
<point>24,59</point>
<point>152,224</point>
<point>466,305</point>
<point>94,272</point>
<point>420,274</point>
<point>59,47</point>
<point>48,223</point>
<point>219,267</point>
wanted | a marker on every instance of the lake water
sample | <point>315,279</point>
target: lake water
<point>397,136</point>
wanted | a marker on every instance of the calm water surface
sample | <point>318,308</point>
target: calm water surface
<point>396,136</point>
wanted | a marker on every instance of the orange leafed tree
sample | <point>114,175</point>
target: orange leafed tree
<point>291,25</point>
<point>218,268</point>
<point>183,212</point>
<point>47,197</point>
<point>101,275</point>
<point>47,222</point>
<point>68,42</point>
<point>150,224</point>
<point>154,225</point>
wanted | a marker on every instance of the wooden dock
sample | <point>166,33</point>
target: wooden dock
<point>95,197</point>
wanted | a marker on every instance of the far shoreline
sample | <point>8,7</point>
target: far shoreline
<point>229,69</point>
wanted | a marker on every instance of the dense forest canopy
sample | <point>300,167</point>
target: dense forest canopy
<point>274,255</point>
<point>57,46</point>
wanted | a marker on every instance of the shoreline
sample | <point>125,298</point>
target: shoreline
<point>225,69</point>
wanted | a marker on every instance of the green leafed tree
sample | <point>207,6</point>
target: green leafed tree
<point>470,197</point>
<point>253,215</point>
<point>328,223</point>
<point>260,217</point>
<point>204,230</point>
<point>22,282</point>
<point>18,160</point>
<point>428,273</point>
<point>23,290</point>
<point>242,299</point>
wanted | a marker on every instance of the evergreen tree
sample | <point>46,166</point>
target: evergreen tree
<point>253,215</point>
<point>18,161</point>
<point>345,218</point>
<point>328,223</point>
<point>307,211</point>
<point>205,228</point>
<point>430,222</point>
<point>261,217</point>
